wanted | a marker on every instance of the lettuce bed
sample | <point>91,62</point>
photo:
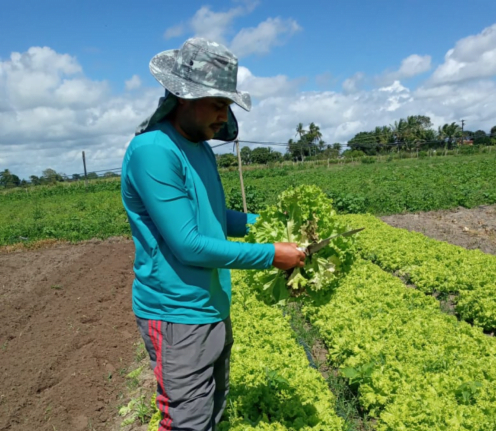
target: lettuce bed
<point>433,266</point>
<point>413,366</point>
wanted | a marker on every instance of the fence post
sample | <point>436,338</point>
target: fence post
<point>85,174</point>
<point>240,168</point>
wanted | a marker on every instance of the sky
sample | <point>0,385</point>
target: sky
<point>74,76</point>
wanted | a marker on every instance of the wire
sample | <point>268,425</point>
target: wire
<point>220,145</point>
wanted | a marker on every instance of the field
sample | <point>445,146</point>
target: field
<point>75,212</point>
<point>403,341</point>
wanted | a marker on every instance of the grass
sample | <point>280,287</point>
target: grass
<point>140,352</point>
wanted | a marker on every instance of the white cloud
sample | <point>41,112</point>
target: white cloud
<point>341,115</point>
<point>42,77</point>
<point>133,83</point>
<point>218,26</point>
<point>264,87</point>
<point>50,111</point>
<point>175,31</point>
<point>411,66</point>
<point>261,39</point>
<point>472,57</point>
<point>414,65</point>
<point>353,84</point>
<point>214,25</point>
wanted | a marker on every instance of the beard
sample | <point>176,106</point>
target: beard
<point>198,133</point>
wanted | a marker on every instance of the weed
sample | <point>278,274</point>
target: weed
<point>143,411</point>
<point>137,409</point>
<point>47,413</point>
<point>140,352</point>
<point>133,378</point>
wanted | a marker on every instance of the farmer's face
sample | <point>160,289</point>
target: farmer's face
<point>201,119</point>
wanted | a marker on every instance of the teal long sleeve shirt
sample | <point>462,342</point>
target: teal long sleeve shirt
<point>175,202</point>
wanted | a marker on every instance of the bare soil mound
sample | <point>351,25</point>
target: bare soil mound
<point>470,228</point>
<point>66,335</point>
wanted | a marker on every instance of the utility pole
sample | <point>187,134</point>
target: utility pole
<point>85,174</point>
<point>463,123</point>
<point>240,168</point>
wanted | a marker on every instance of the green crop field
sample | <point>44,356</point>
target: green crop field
<point>74,212</point>
<point>398,186</point>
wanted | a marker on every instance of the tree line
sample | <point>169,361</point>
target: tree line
<point>417,132</point>
<point>309,143</point>
<point>50,176</point>
<point>411,134</point>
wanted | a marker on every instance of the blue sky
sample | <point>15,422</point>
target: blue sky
<point>314,55</point>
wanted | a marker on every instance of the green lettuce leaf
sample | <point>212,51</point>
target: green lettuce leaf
<point>303,215</point>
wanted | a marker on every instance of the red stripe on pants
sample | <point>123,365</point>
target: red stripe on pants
<point>155,331</point>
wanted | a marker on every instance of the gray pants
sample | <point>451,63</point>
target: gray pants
<point>191,364</point>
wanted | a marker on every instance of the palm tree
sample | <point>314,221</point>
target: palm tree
<point>448,133</point>
<point>452,131</point>
<point>399,131</point>
<point>321,145</point>
<point>300,131</point>
<point>337,147</point>
<point>314,135</point>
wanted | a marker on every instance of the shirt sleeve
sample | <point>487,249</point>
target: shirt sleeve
<point>238,223</point>
<point>156,173</point>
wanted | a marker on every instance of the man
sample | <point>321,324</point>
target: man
<point>176,208</point>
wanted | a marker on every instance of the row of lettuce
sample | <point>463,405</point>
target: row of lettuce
<point>272,386</point>
<point>433,267</point>
<point>413,366</point>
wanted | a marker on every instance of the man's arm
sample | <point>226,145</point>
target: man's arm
<point>238,223</point>
<point>156,174</point>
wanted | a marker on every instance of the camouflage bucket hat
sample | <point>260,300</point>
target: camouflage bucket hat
<point>201,68</point>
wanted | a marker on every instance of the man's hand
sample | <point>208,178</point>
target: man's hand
<point>288,256</point>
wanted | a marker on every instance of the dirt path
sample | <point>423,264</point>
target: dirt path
<point>474,228</point>
<point>66,335</point>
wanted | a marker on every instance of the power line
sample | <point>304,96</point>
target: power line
<point>224,143</point>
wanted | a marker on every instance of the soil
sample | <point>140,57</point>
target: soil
<point>68,335</point>
<point>470,228</point>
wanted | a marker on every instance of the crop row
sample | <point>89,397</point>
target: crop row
<point>413,366</point>
<point>272,386</point>
<point>65,217</point>
<point>433,267</point>
<point>385,188</point>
